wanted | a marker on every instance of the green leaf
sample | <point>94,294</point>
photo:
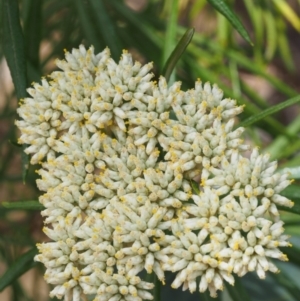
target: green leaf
<point>235,79</point>
<point>136,20</point>
<point>14,143</point>
<point>295,162</point>
<point>224,9</point>
<point>170,36</point>
<point>253,119</point>
<point>223,31</point>
<point>292,253</point>
<point>255,13</point>
<point>14,51</point>
<point>237,292</point>
<point>177,53</point>
<point>171,31</point>
<point>32,30</point>
<point>87,24</point>
<point>196,8</point>
<point>156,289</point>
<point>287,282</point>
<point>292,192</point>
<point>283,45</point>
<point>195,186</point>
<point>26,205</point>
<point>207,75</point>
<point>106,27</point>
<point>271,33</point>
<point>288,12</point>
<point>293,148</point>
<point>281,142</point>
<point>247,63</point>
<point>295,209</point>
<point>206,296</point>
<point>253,95</point>
<point>13,46</point>
<point>20,266</point>
<point>243,61</point>
<point>152,278</point>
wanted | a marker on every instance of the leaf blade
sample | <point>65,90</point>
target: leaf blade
<point>86,24</point>
<point>177,53</point>
<point>19,267</point>
<point>14,51</point>
<point>171,30</point>
<point>14,46</point>
<point>287,11</point>
<point>106,27</point>
<point>270,111</point>
<point>32,30</point>
<point>135,19</point>
<point>237,292</point>
<point>250,108</point>
<point>26,205</point>
<point>224,9</point>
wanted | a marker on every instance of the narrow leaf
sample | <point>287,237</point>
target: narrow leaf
<point>283,44</point>
<point>170,36</point>
<point>237,292</point>
<point>292,192</point>
<point>247,63</point>
<point>207,75</point>
<point>285,281</point>
<point>14,51</point>
<point>224,9</point>
<point>293,253</point>
<point>293,148</point>
<point>14,143</point>
<point>171,31</point>
<point>281,142</point>
<point>206,296</point>
<point>223,31</point>
<point>196,8</point>
<point>177,53</point>
<point>13,46</point>
<point>106,27</point>
<point>20,266</point>
<point>243,61</point>
<point>26,205</point>
<point>295,162</point>
<point>32,30</point>
<point>87,25</point>
<point>295,209</point>
<point>270,111</point>
<point>156,289</point>
<point>136,20</point>
<point>289,13</point>
<point>255,13</point>
<point>195,186</point>
<point>152,278</point>
<point>271,34</point>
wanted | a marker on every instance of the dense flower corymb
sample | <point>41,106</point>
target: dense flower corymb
<point>141,176</point>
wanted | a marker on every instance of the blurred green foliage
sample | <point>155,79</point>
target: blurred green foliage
<point>35,32</point>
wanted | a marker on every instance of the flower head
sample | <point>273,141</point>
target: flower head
<point>119,157</point>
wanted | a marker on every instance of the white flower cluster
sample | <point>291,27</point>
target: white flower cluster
<point>121,156</point>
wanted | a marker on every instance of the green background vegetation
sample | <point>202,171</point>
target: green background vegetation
<point>260,69</point>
